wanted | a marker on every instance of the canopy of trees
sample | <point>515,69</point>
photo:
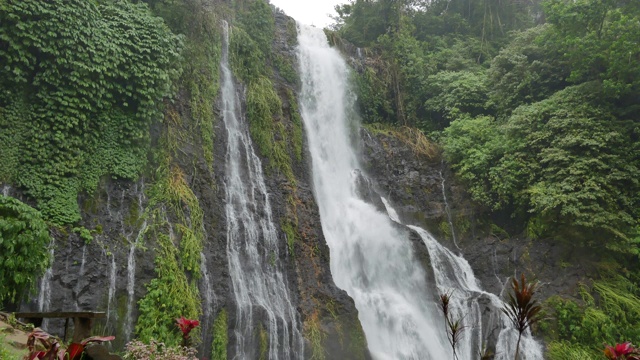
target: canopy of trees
<point>535,102</point>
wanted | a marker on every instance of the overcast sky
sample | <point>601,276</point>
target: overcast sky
<point>311,12</point>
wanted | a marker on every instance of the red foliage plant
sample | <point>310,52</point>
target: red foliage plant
<point>53,350</point>
<point>186,325</point>
<point>624,351</point>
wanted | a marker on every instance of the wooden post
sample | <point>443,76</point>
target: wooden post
<point>66,327</point>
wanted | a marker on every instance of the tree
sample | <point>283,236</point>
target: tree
<point>24,237</point>
<point>600,39</point>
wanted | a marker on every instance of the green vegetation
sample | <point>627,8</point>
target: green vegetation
<point>24,237</point>
<point>316,336</point>
<point>70,117</point>
<point>254,62</point>
<point>536,119</point>
<point>608,313</point>
<point>263,347</point>
<point>220,337</point>
<point>169,296</point>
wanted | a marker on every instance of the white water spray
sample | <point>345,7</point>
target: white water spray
<point>371,257</point>
<point>258,278</point>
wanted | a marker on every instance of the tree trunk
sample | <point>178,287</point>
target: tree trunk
<point>518,346</point>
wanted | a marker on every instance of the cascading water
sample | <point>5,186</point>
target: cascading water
<point>259,284</point>
<point>44,296</point>
<point>209,296</point>
<point>80,274</point>
<point>112,291</point>
<point>131,262</point>
<point>448,211</point>
<point>371,257</point>
<point>454,274</point>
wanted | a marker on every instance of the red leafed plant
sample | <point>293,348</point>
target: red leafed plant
<point>186,325</point>
<point>53,350</point>
<point>521,308</point>
<point>624,351</point>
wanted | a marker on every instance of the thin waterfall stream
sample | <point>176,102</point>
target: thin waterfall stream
<point>372,258</point>
<point>257,273</point>
<point>44,295</point>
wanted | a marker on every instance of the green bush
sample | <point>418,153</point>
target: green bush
<point>24,237</point>
<point>73,116</point>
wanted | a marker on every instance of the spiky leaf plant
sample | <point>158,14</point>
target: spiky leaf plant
<point>521,308</point>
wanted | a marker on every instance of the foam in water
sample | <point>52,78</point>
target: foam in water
<point>371,257</point>
<point>259,284</point>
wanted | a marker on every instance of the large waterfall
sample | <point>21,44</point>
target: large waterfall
<point>371,256</point>
<point>257,274</point>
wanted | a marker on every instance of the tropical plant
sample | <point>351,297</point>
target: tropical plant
<point>624,351</point>
<point>24,237</point>
<point>186,325</point>
<point>521,308</point>
<point>453,328</point>
<point>53,349</point>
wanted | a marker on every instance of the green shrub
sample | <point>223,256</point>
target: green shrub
<point>24,237</point>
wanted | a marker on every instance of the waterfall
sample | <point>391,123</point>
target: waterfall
<point>6,190</point>
<point>448,210</point>
<point>112,290</point>
<point>44,295</point>
<point>209,296</point>
<point>371,257</point>
<point>257,275</point>
<point>454,275</point>
<point>80,274</point>
<point>131,262</point>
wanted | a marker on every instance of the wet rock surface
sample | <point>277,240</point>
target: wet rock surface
<point>413,184</point>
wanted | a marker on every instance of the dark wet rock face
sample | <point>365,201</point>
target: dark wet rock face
<point>413,184</point>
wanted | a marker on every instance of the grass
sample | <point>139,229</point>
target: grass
<point>412,137</point>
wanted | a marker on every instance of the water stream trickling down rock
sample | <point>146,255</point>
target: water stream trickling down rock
<point>257,274</point>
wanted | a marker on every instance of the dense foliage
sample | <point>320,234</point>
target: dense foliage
<point>24,237</point>
<point>608,313</point>
<point>80,83</point>
<point>540,123</point>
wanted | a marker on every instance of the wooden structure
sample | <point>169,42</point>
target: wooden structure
<point>82,321</point>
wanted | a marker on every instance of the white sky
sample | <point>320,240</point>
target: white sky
<point>311,12</point>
